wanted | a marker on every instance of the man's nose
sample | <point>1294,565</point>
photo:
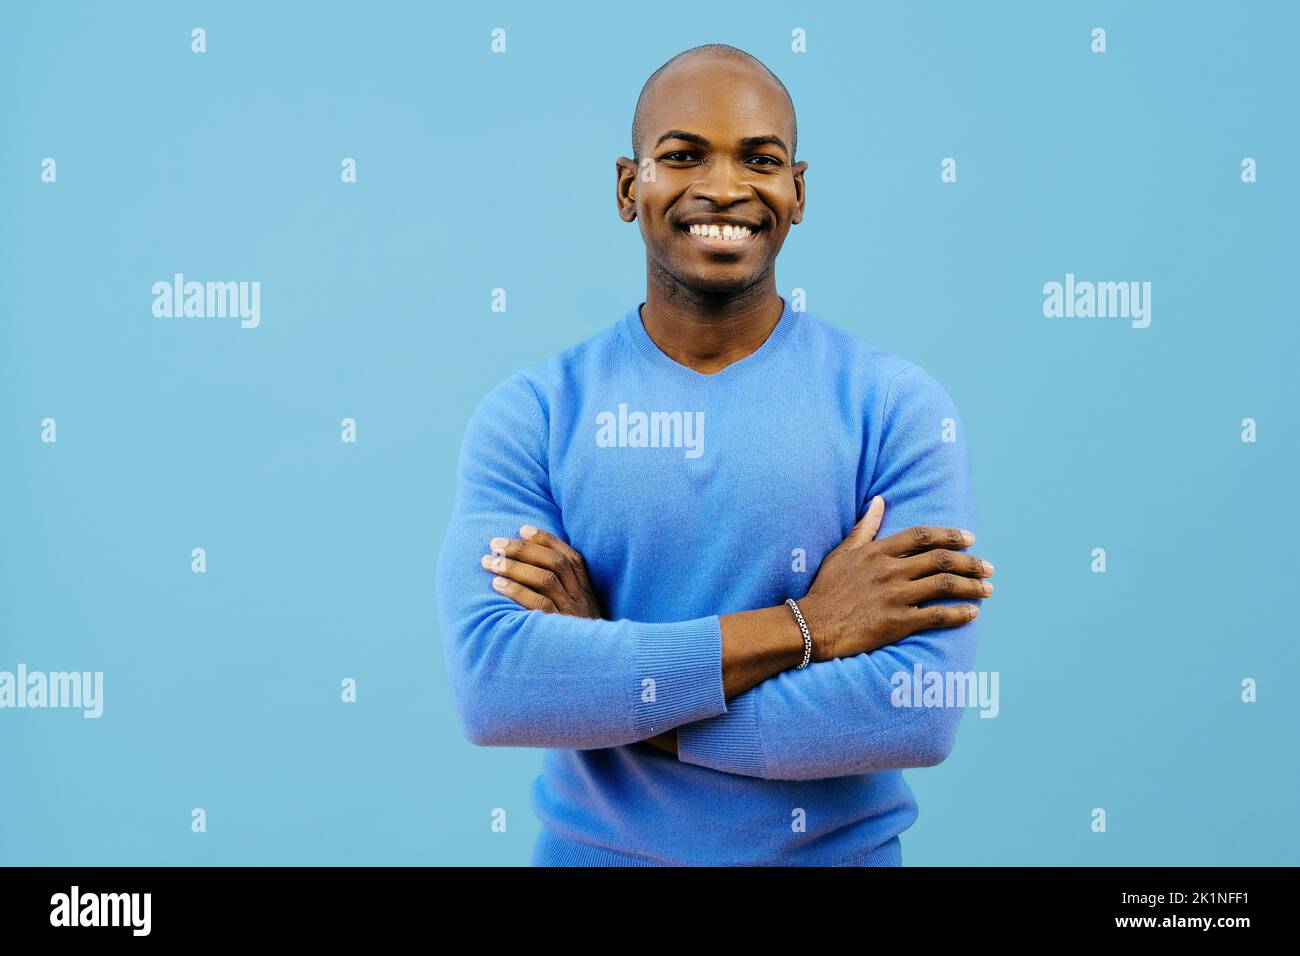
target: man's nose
<point>721,183</point>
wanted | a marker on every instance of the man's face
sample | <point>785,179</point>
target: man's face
<point>719,133</point>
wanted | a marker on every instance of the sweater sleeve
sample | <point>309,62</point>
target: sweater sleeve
<point>838,717</point>
<point>529,679</point>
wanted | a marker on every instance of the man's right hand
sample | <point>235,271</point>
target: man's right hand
<point>866,592</point>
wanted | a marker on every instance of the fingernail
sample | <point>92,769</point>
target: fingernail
<point>498,544</point>
<point>486,561</point>
<point>988,568</point>
<point>967,535</point>
<point>527,531</point>
<point>988,587</point>
<point>499,583</point>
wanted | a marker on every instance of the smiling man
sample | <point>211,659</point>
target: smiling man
<point>690,555</point>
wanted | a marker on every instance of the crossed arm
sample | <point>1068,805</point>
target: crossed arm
<point>522,678</point>
<point>541,572</point>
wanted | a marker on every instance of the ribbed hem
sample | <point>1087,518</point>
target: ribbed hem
<point>889,853</point>
<point>645,346</point>
<point>684,661</point>
<point>730,743</point>
<point>554,850</point>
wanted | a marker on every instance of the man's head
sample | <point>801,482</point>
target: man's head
<point>713,141</point>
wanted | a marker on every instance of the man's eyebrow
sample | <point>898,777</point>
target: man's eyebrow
<point>749,142</point>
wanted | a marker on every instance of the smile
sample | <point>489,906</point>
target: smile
<point>720,234</point>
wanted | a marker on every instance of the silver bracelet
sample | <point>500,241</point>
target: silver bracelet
<point>807,638</point>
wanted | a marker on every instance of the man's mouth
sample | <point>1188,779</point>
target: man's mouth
<point>721,235</point>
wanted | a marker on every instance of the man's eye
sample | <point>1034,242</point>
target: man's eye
<point>685,156</point>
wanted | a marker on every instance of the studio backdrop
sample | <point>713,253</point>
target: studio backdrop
<point>1079,217</point>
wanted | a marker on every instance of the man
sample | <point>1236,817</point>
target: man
<point>638,626</point>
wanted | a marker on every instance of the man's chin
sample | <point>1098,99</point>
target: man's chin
<point>721,284</point>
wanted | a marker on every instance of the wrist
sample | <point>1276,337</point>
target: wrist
<point>818,629</point>
<point>805,635</point>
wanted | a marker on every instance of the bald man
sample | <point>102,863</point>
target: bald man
<point>696,556</point>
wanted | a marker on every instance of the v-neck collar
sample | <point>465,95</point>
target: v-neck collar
<point>645,346</point>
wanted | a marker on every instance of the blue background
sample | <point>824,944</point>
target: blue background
<point>475,171</point>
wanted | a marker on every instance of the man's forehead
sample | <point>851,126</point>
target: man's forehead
<point>713,97</point>
<point>703,80</point>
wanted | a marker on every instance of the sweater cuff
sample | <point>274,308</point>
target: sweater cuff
<point>678,674</point>
<point>730,743</point>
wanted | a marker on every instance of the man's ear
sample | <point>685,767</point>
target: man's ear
<point>798,170</point>
<point>625,188</point>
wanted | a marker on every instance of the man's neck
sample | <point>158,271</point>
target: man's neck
<point>708,333</point>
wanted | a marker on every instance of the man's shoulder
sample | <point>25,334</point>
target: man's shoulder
<point>890,382</point>
<point>577,361</point>
<point>856,359</point>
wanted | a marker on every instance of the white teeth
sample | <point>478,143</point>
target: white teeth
<point>712,231</point>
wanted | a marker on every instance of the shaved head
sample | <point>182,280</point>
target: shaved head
<point>717,51</point>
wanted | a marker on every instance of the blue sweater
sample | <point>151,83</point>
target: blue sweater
<point>728,502</point>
